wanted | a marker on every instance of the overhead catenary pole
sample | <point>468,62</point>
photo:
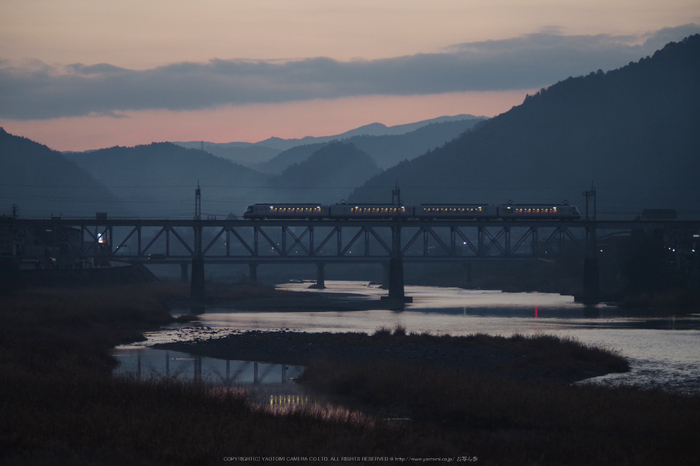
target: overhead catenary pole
<point>197,282</point>
<point>396,195</point>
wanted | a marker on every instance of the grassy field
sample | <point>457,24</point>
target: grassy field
<point>59,404</point>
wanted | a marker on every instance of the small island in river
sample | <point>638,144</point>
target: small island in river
<point>539,357</point>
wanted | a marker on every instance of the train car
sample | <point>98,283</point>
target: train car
<point>422,212</point>
<point>290,211</point>
<point>538,211</point>
<point>364,211</point>
<point>455,211</point>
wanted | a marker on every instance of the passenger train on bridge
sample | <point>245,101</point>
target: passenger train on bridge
<point>562,211</point>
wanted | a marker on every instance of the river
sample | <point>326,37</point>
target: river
<point>663,348</point>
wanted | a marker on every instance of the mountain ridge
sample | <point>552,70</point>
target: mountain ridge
<point>632,132</point>
<point>41,182</point>
<point>255,153</point>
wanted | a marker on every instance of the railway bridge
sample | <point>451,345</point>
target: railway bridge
<point>192,243</point>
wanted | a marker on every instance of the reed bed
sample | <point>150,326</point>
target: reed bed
<point>510,421</point>
<point>60,405</point>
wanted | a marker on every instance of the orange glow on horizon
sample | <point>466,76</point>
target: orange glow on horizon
<point>254,123</point>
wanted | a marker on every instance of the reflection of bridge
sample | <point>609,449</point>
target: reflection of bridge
<point>145,362</point>
<point>196,242</point>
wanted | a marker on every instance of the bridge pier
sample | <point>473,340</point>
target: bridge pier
<point>396,284</point>
<point>253,272</point>
<point>320,277</point>
<point>467,271</point>
<point>184,277</point>
<point>591,280</point>
<point>591,284</point>
<point>197,282</point>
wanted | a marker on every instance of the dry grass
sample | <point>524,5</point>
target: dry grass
<point>516,422</point>
<point>58,404</point>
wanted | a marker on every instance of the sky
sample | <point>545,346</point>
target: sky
<point>88,74</point>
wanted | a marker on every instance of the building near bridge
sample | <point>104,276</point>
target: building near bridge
<point>25,247</point>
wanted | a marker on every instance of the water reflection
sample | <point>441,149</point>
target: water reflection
<point>145,362</point>
<point>664,349</point>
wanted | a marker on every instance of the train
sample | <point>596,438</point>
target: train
<point>310,211</point>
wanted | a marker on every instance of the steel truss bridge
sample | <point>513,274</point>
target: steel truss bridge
<point>256,242</point>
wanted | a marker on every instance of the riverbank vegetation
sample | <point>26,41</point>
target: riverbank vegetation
<point>60,405</point>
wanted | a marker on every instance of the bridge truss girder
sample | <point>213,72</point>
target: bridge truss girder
<point>338,241</point>
<point>244,241</point>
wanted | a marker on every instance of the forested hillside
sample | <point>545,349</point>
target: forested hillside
<point>327,176</point>
<point>633,132</point>
<point>40,182</point>
<point>160,179</point>
<point>385,150</point>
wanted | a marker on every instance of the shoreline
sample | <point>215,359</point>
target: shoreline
<point>294,302</point>
<point>521,358</point>
<point>60,400</point>
<point>515,357</point>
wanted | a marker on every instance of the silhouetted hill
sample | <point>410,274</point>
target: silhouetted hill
<point>327,176</point>
<point>373,129</point>
<point>42,182</point>
<point>159,179</point>
<point>633,132</point>
<point>286,158</point>
<point>254,154</point>
<point>385,150</point>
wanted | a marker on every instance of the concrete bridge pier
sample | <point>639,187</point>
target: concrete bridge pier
<point>253,272</point>
<point>197,282</point>
<point>591,286</point>
<point>320,277</point>
<point>591,280</point>
<point>467,266</point>
<point>396,284</point>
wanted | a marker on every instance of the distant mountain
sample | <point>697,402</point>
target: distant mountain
<point>243,153</point>
<point>379,129</point>
<point>633,132</point>
<point>328,175</point>
<point>159,179</point>
<point>286,158</point>
<point>250,154</point>
<point>42,182</point>
<point>385,150</point>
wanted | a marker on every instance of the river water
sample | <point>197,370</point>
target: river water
<point>663,348</point>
